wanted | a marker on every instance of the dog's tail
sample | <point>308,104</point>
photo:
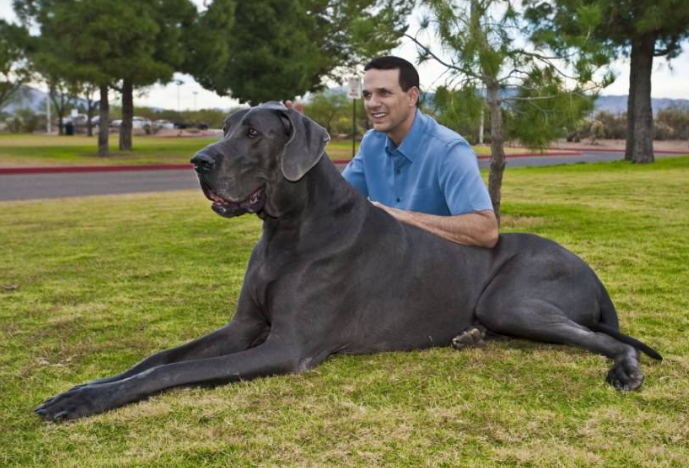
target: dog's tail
<point>608,314</point>
<point>609,325</point>
<point>603,328</point>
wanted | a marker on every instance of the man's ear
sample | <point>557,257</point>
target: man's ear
<point>415,95</point>
<point>305,146</point>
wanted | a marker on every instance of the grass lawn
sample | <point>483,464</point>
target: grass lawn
<point>90,286</point>
<point>42,150</point>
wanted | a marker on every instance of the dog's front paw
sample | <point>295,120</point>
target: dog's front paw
<point>78,402</point>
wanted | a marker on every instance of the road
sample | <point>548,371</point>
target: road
<point>39,186</point>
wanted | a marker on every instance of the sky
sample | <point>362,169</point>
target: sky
<point>668,80</point>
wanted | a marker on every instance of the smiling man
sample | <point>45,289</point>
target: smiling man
<point>422,173</point>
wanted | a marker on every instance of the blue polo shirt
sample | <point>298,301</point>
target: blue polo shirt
<point>433,171</point>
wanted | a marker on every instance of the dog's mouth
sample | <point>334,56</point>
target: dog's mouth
<point>251,204</point>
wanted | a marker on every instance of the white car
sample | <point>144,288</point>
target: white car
<point>163,124</point>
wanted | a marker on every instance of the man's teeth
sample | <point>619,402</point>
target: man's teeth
<point>379,115</point>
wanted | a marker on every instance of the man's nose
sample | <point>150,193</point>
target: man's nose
<point>203,161</point>
<point>371,102</point>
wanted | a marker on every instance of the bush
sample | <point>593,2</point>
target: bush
<point>25,121</point>
<point>674,119</point>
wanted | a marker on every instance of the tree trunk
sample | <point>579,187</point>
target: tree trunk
<point>629,140</point>
<point>127,116</point>
<point>89,116</point>
<point>497,150</point>
<point>59,110</point>
<point>103,122</point>
<point>641,140</point>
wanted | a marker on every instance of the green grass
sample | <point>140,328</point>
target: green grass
<point>42,150</point>
<point>90,286</point>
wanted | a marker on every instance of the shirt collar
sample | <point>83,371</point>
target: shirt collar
<point>411,141</point>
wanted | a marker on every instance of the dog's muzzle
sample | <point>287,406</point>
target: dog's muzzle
<point>203,162</point>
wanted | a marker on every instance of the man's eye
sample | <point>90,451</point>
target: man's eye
<point>251,133</point>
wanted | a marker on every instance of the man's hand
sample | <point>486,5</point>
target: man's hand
<point>297,106</point>
<point>479,228</point>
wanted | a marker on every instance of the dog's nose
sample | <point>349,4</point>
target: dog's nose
<point>203,162</point>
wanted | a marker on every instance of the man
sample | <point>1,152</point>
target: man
<point>420,172</point>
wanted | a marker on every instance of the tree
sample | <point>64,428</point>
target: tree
<point>486,44</point>
<point>108,42</point>
<point>151,49</point>
<point>83,31</point>
<point>14,67</point>
<point>642,29</point>
<point>327,107</point>
<point>58,75</point>
<point>279,49</point>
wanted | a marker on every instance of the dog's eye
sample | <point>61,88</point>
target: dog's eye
<point>251,133</point>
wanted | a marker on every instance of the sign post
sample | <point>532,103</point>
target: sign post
<point>354,92</point>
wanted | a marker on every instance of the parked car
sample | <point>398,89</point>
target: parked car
<point>162,124</point>
<point>138,123</point>
<point>142,123</point>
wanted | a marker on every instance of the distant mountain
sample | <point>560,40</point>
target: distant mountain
<point>618,104</point>
<point>27,98</point>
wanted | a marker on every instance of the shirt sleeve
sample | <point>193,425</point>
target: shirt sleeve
<point>356,176</point>
<point>460,181</point>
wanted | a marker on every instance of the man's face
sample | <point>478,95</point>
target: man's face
<point>390,109</point>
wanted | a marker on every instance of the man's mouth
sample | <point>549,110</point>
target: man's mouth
<point>251,204</point>
<point>379,115</point>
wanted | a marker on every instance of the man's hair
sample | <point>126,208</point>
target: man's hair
<point>408,76</point>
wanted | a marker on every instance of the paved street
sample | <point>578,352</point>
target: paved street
<point>37,186</point>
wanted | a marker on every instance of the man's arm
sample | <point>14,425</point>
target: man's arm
<point>479,228</point>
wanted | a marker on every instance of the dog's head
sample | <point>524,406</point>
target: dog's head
<point>264,151</point>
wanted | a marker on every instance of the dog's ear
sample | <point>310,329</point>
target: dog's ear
<point>305,146</point>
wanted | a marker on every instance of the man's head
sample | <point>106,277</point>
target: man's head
<point>391,95</point>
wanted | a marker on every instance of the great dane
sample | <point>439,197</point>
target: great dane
<point>332,273</point>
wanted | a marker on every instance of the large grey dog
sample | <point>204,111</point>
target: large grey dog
<point>334,274</point>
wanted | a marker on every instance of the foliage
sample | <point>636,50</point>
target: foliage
<point>485,46</point>
<point>676,119</point>
<point>672,123</point>
<point>112,279</point>
<point>641,29</point>
<point>14,67</point>
<point>279,49</point>
<point>545,110</point>
<point>25,121</point>
<point>460,110</point>
<point>328,109</point>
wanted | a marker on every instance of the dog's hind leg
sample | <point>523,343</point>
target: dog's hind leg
<point>539,320</point>
<point>470,337</point>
